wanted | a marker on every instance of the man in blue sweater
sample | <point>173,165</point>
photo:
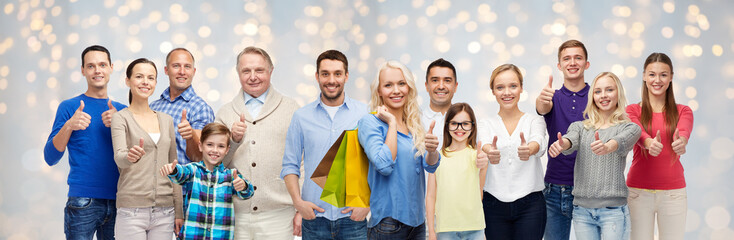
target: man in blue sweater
<point>82,125</point>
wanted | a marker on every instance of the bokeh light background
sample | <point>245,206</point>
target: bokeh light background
<point>41,42</point>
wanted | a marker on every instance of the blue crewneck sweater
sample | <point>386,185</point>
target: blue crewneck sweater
<point>93,171</point>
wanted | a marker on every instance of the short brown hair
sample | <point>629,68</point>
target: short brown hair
<point>258,51</point>
<point>332,55</point>
<point>572,43</point>
<point>215,129</point>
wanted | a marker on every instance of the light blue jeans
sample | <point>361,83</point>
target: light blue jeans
<point>463,235</point>
<point>606,223</point>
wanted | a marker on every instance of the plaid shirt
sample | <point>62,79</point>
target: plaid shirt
<point>210,211</point>
<point>198,112</point>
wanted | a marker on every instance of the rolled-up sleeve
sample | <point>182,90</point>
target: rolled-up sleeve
<point>430,168</point>
<point>371,135</point>
<point>293,150</point>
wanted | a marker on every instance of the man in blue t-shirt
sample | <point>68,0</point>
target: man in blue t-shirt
<point>82,125</point>
<point>560,108</point>
<point>189,111</point>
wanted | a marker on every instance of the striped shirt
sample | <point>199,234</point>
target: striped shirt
<point>210,211</point>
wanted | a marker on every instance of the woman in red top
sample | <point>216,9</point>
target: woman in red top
<point>657,187</point>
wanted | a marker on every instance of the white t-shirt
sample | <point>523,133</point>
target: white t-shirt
<point>331,110</point>
<point>513,178</point>
<point>427,117</point>
<point>155,137</point>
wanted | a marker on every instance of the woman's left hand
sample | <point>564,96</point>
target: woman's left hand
<point>679,143</point>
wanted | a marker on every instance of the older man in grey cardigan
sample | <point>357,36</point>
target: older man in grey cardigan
<point>258,118</point>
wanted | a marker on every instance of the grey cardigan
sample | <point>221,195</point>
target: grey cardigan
<point>599,180</point>
<point>141,184</point>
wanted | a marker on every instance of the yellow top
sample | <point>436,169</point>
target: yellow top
<point>458,198</point>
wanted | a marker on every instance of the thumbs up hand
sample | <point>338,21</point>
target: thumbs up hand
<point>239,128</point>
<point>558,146</point>
<point>431,141</point>
<point>679,143</point>
<point>107,115</point>
<point>546,95</point>
<point>523,151</point>
<point>482,159</point>
<point>599,147</point>
<point>80,120</point>
<point>184,128</point>
<point>136,152</point>
<point>169,169</point>
<point>237,182</point>
<point>655,145</point>
<point>493,154</point>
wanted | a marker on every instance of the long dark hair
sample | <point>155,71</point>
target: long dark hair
<point>129,73</point>
<point>670,109</point>
<point>457,108</point>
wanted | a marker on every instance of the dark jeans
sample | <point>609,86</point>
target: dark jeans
<point>522,219</point>
<point>85,216</point>
<point>559,205</point>
<point>389,229</point>
<point>343,228</point>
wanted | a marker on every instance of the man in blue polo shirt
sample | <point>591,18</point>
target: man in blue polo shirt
<point>82,125</point>
<point>189,111</point>
<point>313,129</point>
<point>560,108</point>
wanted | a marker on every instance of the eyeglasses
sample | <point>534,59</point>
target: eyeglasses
<point>466,126</point>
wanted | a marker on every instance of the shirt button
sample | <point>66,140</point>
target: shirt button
<point>253,142</point>
<point>254,187</point>
<point>573,107</point>
<point>254,122</point>
<point>574,100</point>
<point>254,209</point>
<point>253,164</point>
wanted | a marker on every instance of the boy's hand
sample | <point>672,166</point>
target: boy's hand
<point>238,183</point>
<point>170,168</point>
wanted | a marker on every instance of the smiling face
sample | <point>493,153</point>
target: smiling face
<point>180,70</point>
<point>142,80</point>
<point>605,95</point>
<point>460,128</point>
<point>507,89</point>
<point>254,73</point>
<point>331,77</point>
<point>393,88</point>
<point>657,78</point>
<point>213,149</point>
<point>572,63</point>
<point>441,85</point>
<point>96,69</point>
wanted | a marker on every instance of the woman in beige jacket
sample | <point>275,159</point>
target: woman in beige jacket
<point>148,204</point>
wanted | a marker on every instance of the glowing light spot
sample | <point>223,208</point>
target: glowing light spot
<point>442,29</point>
<point>4,71</point>
<point>618,69</point>
<point>31,99</point>
<point>559,7</point>
<point>470,26</point>
<point>717,50</point>
<point>729,91</point>
<point>442,45</point>
<point>558,29</point>
<point>512,31</point>
<point>498,47</point>
<point>165,47</point>
<point>212,95</point>
<point>463,16</point>
<point>51,82</point>
<point>205,31</point>
<point>690,73</point>
<point>693,9</point>
<point>380,38</point>
<point>212,73</point>
<point>4,85</point>
<point>133,29</point>
<point>250,7</point>
<point>431,11</point>
<point>405,58</point>
<point>364,52</point>
<point>3,108</point>
<point>620,28</point>
<point>8,8</point>
<point>692,31</point>
<point>250,29</point>
<point>209,50</point>
<point>630,71</point>
<point>179,38</point>
<point>517,50</point>
<point>134,45</point>
<point>667,32</point>
<point>474,47</point>
<point>311,28</point>
<point>486,38</point>
<point>696,50</point>
<point>717,217</point>
<point>30,77</point>
<point>54,67</point>
<point>613,48</point>
<point>669,7</point>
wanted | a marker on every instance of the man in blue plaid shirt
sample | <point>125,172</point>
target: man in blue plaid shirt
<point>189,111</point>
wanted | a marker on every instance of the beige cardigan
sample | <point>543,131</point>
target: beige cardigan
<point>141,184</point>
<point>260,154</point>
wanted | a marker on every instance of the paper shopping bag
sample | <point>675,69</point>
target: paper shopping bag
<point>334,189</point>
<point>322,170</point>
<point>356,167</point>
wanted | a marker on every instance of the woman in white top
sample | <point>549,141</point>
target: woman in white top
<point>514,206</point>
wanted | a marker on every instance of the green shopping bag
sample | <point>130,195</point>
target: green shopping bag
<point>335,188</point>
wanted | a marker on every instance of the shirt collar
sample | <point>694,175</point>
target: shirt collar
<point>261,98</point>
<point>430,113</point>
<point>581,92</point>
<point>186,95</point>
<point>347,102</point>
<point>219,168</point>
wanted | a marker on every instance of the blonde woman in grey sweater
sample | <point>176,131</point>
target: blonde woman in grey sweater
<point>602,140</point>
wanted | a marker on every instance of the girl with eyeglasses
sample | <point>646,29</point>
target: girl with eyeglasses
<point>514,206</point>
<point>454,195</point>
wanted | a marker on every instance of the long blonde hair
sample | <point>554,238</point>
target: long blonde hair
<point>411,111</point>
<point>591,113</point>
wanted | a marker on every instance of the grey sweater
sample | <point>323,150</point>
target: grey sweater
<point>599,180</point>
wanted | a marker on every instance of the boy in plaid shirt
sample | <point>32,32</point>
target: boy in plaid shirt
<point>210,212</point>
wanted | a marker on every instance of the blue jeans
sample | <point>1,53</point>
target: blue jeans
<point>607,223</point>
<point>342,228</point>
<point>559,207</point>
<point>85,216</point>
<point>463,235</point>
<point>389,229</point>
<point>523,218</point>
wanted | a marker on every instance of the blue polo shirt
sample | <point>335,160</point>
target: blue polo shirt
<point>568,107</point>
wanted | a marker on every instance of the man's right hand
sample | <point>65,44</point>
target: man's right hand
<point>238,129</point>
<point>184,127</point>
<point>306,208</point>
<point>80,120</point>
<point>545,99</point>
